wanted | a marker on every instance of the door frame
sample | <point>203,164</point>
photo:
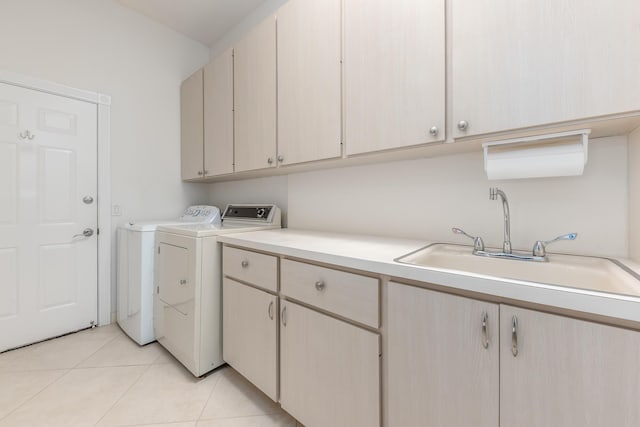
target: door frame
<point>104,235</point>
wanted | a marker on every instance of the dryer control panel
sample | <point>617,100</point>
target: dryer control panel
<point>251,213</point>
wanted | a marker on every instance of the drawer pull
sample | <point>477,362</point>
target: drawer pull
<point>485,333</point>
<point>244,263</point>
<point>183,281</point>
<point>319,285</point>
<point>271,310</point>
<point>283,316</point>
<point>514,336</point>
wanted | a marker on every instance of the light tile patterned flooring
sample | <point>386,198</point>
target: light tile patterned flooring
<point>99,377</point>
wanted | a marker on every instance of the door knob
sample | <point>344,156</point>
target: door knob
<point>87,200</point>
<point>87,232</point>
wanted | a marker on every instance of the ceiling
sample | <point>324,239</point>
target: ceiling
<point>203,20</point>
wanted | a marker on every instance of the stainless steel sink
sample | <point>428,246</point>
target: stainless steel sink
<point>583,272</point>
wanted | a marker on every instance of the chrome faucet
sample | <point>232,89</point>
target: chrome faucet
<point>493,194</point>
<point>539,252</point>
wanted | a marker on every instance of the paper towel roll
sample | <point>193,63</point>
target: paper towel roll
<point>535,160</point>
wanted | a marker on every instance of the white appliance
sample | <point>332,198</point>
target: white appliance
<point>136,243</point>
<point>188,312</point>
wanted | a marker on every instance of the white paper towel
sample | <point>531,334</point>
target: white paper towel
<point>533,161</point>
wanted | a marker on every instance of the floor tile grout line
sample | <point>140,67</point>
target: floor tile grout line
<point>123,394</point>
<point>97,350</point>
<point>39,392</point>
<point>220,373</point>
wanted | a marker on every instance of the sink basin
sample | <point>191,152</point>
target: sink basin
<point>583,272</point>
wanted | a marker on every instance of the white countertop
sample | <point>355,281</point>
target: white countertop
<point>377,254</point>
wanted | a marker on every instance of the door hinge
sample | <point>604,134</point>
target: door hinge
<point>158,249</point>
<point>98,231</point>
<point>157,289</point>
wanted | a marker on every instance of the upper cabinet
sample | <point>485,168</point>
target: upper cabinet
<point>218,115</point>
<point>394,72</point>
<point>191,127</point>
<point>255,98</point>
<point>538,62</point>
<point>309,80</point>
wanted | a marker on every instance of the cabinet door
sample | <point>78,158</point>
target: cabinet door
<point>255,98</point>
<point>567,372</point>
<point>218,115</point>
<point>438,371</point>
<point>309,98</point>
<point>191,126</point>
<point>329,370</point>
<point>249,334</point>
<point>394,70</point>
<point>534,62</point>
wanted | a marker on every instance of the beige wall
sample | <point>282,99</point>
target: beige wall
<point>424,198</point>
<point>100,46</point>
<point>634,195</point>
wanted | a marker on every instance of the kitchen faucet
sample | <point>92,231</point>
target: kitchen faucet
<point>494,192</point>
<point>539,252</point>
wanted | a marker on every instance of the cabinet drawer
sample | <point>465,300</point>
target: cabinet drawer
<point>258,269</point>
<point>346,294</point>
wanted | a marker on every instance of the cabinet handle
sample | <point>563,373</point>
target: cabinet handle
<point>463,125</point>
<point>283,316</point>
<point>281,158</point>
<point>434,131</point>
<point>244,263</point>
<point>319,285</point>
<point>514,336</point>
<point>270,160</point>
<point>485,333</point>
<point>183,281</point>
<point>200,173</point>
<point>271,310</point>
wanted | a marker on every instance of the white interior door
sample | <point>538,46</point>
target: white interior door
<point>48,164</point>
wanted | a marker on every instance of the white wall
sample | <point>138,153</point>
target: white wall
<point>100,46</point>
<point>239,30</point>
<point>424,198</point>
<point>634,195</point>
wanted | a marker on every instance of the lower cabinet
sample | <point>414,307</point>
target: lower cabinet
<point>249,341</point>
<point>558,371</point>
<point>441,358</point>
<point>329,369</point>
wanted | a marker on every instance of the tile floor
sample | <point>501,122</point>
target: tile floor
<point>99,377</point>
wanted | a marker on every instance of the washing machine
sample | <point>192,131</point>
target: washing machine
<point>188,279</point>
<point>134,280</point>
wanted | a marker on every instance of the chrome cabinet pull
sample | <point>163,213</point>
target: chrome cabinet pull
<point>269,160</point>
<point>244,263</point>
<point>183,281</point>
<point>485,333</point>
<point>463,125</point>
<point>283,316</point>
<point>434,131</point>
<point>319,285</point>
<point>26,135</point>
<point>514,336</point>
<point>280,158</point>
<point>270,311</point>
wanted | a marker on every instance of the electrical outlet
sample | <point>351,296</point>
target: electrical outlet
<point>116,210</point>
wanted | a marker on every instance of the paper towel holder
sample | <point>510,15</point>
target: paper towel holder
<point>546,145</point>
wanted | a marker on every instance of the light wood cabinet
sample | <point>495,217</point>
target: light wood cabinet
<point>218,115</point>
<point>249,343</point>
<point>567,372</point>
<point>441,359</point>
<point>257,269</point>
<point>309,81</point>
<point>329,369</point>
<point>255,98</point>
<point>394,71</point>
<point>538,62</point>
<point>191,126</point>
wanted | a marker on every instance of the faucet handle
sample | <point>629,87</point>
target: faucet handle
<point>540,247</point>
<point>478,243</point>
